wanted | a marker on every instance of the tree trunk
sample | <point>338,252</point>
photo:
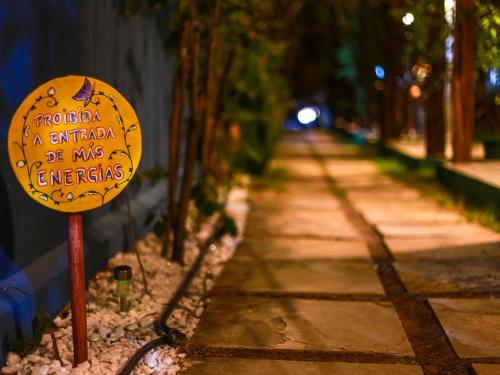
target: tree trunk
<point>210,90</point>
<point>434,98</point>
<point>434,122</point>
<point>192,139</point>
<point>214,157</point>
<point>463,82</point>
<point>175,135</point>
<point>390,129</point>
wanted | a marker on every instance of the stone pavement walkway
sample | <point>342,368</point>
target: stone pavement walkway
<point>486,171</point>
<point>345,271</point>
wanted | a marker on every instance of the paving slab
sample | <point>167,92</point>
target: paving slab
<point>473,273</point>
<point>487,369</point>
<point>382,196</point>
<point>400,206</point>
<point>362,181</point>
<point>301,324</point>
<point>340,169</point>
<point>299,202</point>
<point>307,195</point>
<point>332,150</point>
<point>284,186</point>
<point>395,207</point>
<point>473,325</point>
<point>445,247</point>
<point>380,216</point>
<point>297,190</point>
<point>432,231</point>
<point>317,138</point>
<point>308,275</point>
<point>299,167</point>
<point>292,148</point>
<point>279,214</point>
<point>301,223</point>
<point>301,248</point>
<point>224,366</point>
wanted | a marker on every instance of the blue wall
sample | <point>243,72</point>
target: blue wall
<point>40,40</point>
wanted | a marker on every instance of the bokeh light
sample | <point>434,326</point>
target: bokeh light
<point>408,19</point>
<point>379,72</point>
<point>307,115</point>
<point>415,91</point>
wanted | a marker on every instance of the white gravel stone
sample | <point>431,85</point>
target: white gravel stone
<point>40,370</point>
<point>33,358</point>
<point>12,359</point>
<point>103,332</point>
<point>94,337</point>
<point>61,323</point>
<point>150,359</point>
<point>146,321</point>
<point>8,370</point>
<point>173,370</point>
<point>46,340</point>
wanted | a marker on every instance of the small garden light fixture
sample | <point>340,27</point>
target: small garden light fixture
<point>122,274</point>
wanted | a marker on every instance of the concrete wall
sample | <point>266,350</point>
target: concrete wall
<point>40,40</point>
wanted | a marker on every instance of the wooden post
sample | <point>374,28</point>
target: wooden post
<point>77,286</point>
<point>463,81</point>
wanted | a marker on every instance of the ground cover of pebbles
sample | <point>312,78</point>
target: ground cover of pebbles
<point>114,336</point>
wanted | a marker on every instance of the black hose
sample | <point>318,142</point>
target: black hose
<point>172,336</point>
<point>134,360</point>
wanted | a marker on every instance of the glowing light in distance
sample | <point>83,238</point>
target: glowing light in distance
<point>415,91</point>
<point>408,19</point>
<point>449,48</point>
<point>307,115</point>
<point>494,77</point>
<point>379,72</point>
<point>449,12</point>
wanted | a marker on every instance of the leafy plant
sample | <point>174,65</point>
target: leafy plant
<point>229,59</point>
<point>227,226</point>
<point>206,199</point>
<point>488,35</point>
<point>42,323</point>
<point>151,175</point>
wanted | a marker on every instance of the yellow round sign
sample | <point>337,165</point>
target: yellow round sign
<point>74,143</point>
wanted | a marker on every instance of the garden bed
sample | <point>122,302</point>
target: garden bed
<point>114,336</point>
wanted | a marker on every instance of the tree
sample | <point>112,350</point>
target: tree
<point>425,47</point>
<point>192,136</point>
<point>463,81</point>
<point>175,126</point>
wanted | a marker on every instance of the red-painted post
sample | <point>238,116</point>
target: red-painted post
<point>77,277</point>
